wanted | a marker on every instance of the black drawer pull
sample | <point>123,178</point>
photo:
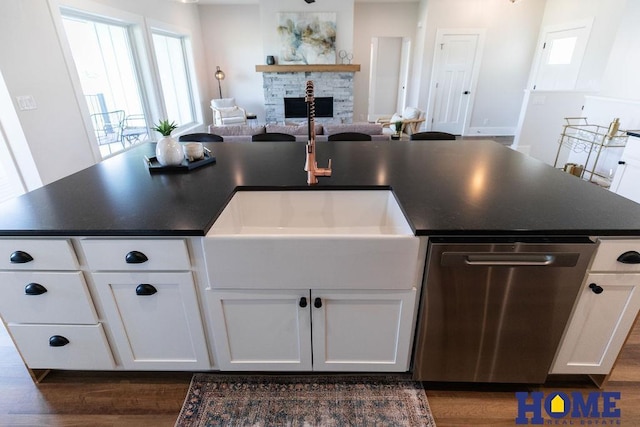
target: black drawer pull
<point>135,257</point>
<point>34,289</point>
<point>629,257</point>
<point>303,302</point>
<point>317,303</point>
<point>145,289</point>
<point>595,288</point>
<point>58,341</point>
<point>20,257</point>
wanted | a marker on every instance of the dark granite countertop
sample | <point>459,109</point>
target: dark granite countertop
<point>445,187</point>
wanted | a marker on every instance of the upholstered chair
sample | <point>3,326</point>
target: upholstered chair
<point>226,112</point>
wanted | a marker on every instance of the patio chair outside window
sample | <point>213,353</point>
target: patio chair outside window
<point>135,129</point>
<point>108,127</point>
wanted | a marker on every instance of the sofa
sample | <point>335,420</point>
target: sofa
<point>243,133</point>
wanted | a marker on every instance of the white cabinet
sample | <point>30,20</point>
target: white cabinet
<point>321,330</point>
<point>627,176</point>
<point>154,319</point>
<point>362,330</point>
<point>148,295</point>
<point>261,329</point>
<point>47,306</point>
<point>604,314</point>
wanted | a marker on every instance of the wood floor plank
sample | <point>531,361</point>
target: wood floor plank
<point>140,399</point>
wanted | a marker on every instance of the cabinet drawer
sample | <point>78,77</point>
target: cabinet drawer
<point>87,346</point>
<point>608,252</point>
<point>45,297</point>
<point>132,254</point>
<point>54,254</point>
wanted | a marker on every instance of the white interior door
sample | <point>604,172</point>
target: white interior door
<point>560,56</point>
<point>456,61</point>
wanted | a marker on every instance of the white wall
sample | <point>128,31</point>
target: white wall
<point>607,14</point>
<point>378,20</point>
<point>233,38</point>
<point>621,74</point>
<point>33,63</point>
<point>511,34</point>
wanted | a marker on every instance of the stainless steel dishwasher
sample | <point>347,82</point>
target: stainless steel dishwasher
<point>494,311</point>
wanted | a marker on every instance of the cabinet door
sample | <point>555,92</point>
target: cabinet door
<point>155,320</point>
<point>625,182</point>
<point>599,324</point>
<point>258,330</point>
<point>362,330</point>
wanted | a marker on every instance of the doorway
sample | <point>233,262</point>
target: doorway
<point>389,72</point>
<point>456,65</point>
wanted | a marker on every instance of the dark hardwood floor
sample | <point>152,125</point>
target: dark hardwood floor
<point>154,398</point>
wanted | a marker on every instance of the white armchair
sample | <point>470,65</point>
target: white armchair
<point>411,119</point>
<point>226,112</point>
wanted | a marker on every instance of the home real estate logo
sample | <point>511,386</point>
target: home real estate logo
<point>594,408</point>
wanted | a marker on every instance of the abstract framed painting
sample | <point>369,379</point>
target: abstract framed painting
<point>307,37</point>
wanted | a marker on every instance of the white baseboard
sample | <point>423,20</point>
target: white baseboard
<point>492,131</point>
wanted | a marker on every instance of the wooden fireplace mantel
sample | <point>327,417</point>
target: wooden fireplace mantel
<point>314,68</point>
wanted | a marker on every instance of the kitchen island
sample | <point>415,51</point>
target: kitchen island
<point>90,219</point>
<point>444,187</point>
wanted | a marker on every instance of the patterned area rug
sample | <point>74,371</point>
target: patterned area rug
<point>310,400</point>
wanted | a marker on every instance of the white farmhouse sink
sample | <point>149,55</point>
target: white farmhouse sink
<point>329,239</point>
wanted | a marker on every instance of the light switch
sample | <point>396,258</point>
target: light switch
<point>26,102</point>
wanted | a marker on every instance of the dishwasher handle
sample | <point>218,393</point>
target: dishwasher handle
<point>502,259</point>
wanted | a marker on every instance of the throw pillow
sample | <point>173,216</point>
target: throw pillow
<point>223,102</point>
<point>226,112</point>
<point>411,113</point>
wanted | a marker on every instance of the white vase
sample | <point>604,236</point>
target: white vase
<point>169,151</point>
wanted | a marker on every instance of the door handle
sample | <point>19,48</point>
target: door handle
<point>466,92</point>
<point>508,260</point>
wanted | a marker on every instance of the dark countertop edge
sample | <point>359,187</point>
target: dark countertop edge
<point>425,232</point>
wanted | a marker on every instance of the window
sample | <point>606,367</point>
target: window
<point>173,69</point>
<point>103,55</point>
<point>562,51</point>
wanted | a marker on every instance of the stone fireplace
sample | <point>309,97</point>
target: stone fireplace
<point>279,85</point>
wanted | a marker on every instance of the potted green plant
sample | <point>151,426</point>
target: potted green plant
<point>168,149</point>
<point>398,128</point>
<point>165,128</point>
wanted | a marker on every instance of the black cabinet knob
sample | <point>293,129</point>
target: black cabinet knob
<point>317,303</point>
<point>145,289</point>
<point>135,257</point>
<point>58,341</point>
<point>595,288</point>
<point>303,302</point>
<point>20,257</point>
<point>34,289</point>
<point>629,257</point>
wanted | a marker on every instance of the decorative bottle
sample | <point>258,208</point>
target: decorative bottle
<point>613,128</point>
